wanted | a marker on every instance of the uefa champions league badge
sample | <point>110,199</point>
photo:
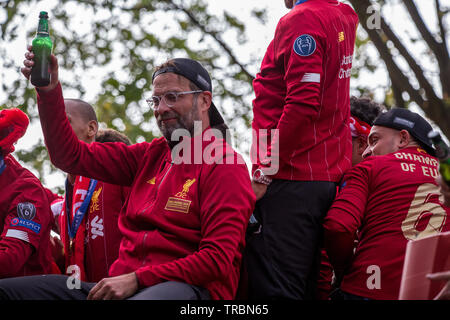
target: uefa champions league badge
<point>26,212</point>
<point>305,45</point>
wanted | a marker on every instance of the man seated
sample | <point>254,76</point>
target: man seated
<point>391,198</point>
<point>363,112</point>
<point>190,200</point>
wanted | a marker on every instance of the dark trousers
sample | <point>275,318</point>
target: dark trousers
<point>54,287</point>
<point>282,256</point>
<point>338,294</point>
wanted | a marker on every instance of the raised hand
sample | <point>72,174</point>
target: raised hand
<point>29,62</point>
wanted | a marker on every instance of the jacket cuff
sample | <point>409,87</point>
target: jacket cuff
<point>146,278</point>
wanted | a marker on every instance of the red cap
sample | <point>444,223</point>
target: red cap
<point>13,125</point>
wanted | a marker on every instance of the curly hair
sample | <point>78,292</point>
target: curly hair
<point>111,135</point>
<point>365,109</point>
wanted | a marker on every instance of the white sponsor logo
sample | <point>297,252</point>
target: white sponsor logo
<point>97,227</point>
<point>346,72</point>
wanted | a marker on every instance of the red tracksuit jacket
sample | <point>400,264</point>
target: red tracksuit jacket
<point>183,222</point>
<point>25,223</point>
<point>303,91</point>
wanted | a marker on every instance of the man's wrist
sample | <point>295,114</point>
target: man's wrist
<point>260,177</point>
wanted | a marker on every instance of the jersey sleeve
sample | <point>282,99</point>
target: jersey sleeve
<point>299,50</point>
<point>111,162</point>
<point>346,216</point>
<point>28,219</point>
<point>347,210</point>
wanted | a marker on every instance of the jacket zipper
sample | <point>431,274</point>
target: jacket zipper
<point>143,247</point>
<point>145,234</point>
<point>164,177</point>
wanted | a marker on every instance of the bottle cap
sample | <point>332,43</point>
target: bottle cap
<point>43,14</point>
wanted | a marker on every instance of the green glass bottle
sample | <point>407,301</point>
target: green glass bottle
<point>443,154</point>
<point>42,48</point>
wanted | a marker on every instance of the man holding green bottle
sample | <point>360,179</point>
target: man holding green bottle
<point>184,223</point>
<point>42,49</point>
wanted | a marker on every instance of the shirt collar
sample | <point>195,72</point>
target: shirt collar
<point>299,2</point>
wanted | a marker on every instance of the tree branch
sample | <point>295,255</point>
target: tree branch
<point>426,34</point>
<point>400,81</point>
<point>216,37</point>
<point>445,65</point>
<point>198,24</point>
<point>440,17</point>
<point>438,48</point>
<point>418,72</point>
<point>435,108</point>
<point>399,101</point>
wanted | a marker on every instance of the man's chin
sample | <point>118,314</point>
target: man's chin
<point>167,131</point>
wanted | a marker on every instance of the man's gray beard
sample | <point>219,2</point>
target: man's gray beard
<point>181,124</point>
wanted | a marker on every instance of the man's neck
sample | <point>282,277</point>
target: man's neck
<point>197,130</point>
<point>412,144</point>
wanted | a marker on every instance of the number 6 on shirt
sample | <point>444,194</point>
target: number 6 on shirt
<point>420,206</point>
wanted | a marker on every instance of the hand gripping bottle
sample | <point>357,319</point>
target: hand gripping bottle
<point>42,48</point>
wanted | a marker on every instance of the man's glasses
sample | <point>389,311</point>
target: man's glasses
<point>170,98</point>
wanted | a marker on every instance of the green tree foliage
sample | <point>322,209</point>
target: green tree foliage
<point>120,42</point>
<point>407,56</point>
<point>126,40</point>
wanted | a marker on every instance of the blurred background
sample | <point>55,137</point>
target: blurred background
<point>107,51</point>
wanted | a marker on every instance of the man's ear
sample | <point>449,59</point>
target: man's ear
<point>405,138</point>
<point>361,145</point>
<point>205,99</point>
<point>92,128</point>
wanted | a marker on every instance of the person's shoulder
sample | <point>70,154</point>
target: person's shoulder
<point>311,16</point>
<point>380,162</point>
<point>298,12</point>
<point>319,9</point>
<point>160,142</point>
<point>18,174</point>
<point>226,152</point>
<point>22,183</point>
<point>155,144</point>
<point>370,161</point>
<point>368,167</point>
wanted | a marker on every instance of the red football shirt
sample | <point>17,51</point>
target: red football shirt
<point>102,235</point>
<point>391,199</point>
<point>25,223</point>
<point>303,92</point>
